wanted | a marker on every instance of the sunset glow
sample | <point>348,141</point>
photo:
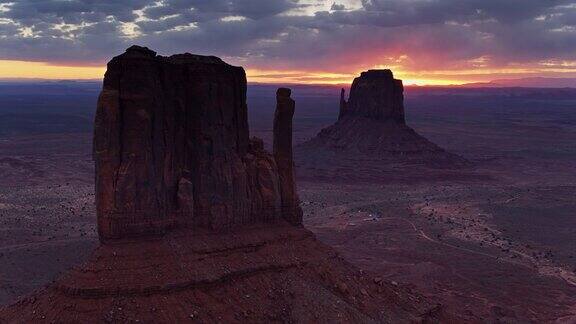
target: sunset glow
<point>306,41</point>
<point>38,70</point>
<point>42,70</point>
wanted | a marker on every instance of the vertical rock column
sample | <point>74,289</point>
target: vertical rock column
<point>282,150</point>
<point>343,104</point>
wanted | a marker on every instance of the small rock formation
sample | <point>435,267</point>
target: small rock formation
<point>172,148</point>
<point>343,104</point>
<point>370,133</point>
<point>173,156</point>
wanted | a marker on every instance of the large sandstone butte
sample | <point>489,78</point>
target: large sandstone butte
<point>370,134</point>
<point>199,223</point>
<point>375,95</point>
<point>172,149</point>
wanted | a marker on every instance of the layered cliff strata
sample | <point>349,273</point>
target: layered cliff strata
<point>172,148</point>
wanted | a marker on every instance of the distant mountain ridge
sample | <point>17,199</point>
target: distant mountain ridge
<point>532,82</point>
<point>529,82</point>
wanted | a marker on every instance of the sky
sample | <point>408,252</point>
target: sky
<point>298,41</point>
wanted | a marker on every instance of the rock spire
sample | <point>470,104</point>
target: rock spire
<point>283,155</point>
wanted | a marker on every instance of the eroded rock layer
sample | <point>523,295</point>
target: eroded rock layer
<point>172,148</point>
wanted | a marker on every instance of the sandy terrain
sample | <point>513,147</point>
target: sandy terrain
<point>47,216</point>
<point>444,244</point>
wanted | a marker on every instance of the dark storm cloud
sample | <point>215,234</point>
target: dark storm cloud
<point>247,8</point>
<point>72,11</point>
<point>418,11</point>
<point>276,33</point>
<point>391,13</point>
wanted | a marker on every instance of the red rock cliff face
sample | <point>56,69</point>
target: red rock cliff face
<point>172,148</point>
<point>375,94</point>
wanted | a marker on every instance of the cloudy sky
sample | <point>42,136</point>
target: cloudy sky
<point>312,41</point>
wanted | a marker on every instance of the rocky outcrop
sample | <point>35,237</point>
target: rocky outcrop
<point>172,149</point>
<point>370,135</point>
<point>376,95</point>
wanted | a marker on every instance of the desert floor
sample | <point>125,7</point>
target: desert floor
<point>495,240</point>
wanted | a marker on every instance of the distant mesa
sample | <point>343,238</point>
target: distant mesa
<point>375,95</point>
<point>372,124</point>
<point>532,82</point>
<point>197,221</point>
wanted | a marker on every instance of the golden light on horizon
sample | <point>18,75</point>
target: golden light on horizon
<point>308,77</point>
<point>40,70</point>
<point>297,76</point>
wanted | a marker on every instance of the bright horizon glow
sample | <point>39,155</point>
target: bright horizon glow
<point>43,70</point>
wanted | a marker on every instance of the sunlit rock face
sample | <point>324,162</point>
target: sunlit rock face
<point>172,148</point>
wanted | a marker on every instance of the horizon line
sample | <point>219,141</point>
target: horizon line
<point>469,85</point>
